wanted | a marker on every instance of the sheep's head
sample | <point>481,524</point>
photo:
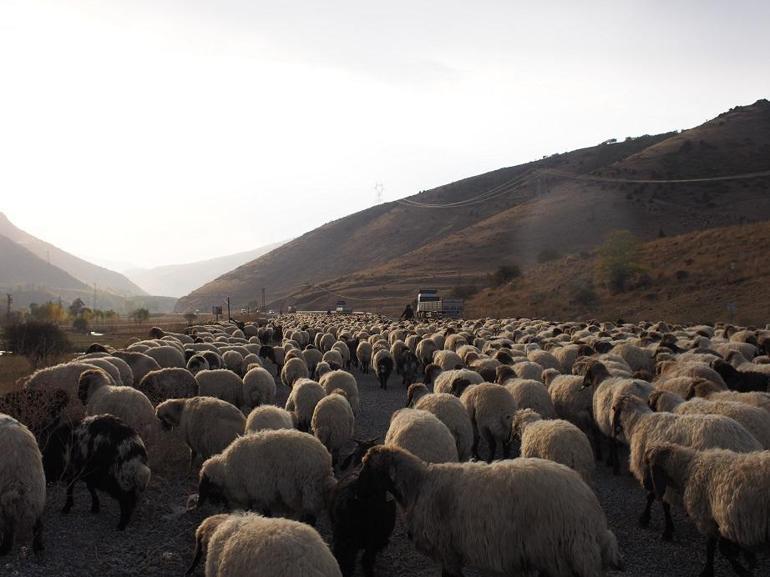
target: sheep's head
<point>702,388</point>
<point>415,392</point>
<point>595,373</point>
<point>521,419</point>
<point>357,456</point>
<point>97,348</point>
<point>459,386</point>
<point>660,460</point>
<point>431,371</point>
<point>89,381</point>
<point>621,405</point>
<point>169,413</point>
<point>504,357</point>
<point>211,481</point>
<point>384,469</point>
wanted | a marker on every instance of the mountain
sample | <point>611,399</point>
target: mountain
<point>453,236</point>
<point>18,266</point>
<point>82,270</point>
<point>179,279</point>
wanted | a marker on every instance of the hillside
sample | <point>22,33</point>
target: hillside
<point>721,274</point>
<point>179,279</point>
<point>376,258</point>
<point>82,270</point>
<point>18,266</point>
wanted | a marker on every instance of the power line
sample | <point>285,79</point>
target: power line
<point>588,177</point>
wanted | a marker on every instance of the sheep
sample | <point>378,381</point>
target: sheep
<point>447,360</point>
<point>672,368</point>
<point>556,440</point>
<point>342,380</point>
<point>491,408</point>
<point>382,363</point>
<point>167,356</point>
<point>208,425</point>
<point>268,417</point>
<point>425,350</point>
<point>642,428</point>
<point>108,368</point>
<point>333,423</point>
<point>222,384</point>
<point>213,359</point>
<point>105,453</point>
<point>754,419</point>
<point>455,381</point>
<point>239,544</point>
<point>360,520</point>
<point>197,363</point>
<point>707,390</point>
<point>529,394</point>
<point>258,388</point>
<point>169,383</point>
<point>724,493</point>
<point>99,395</point>
<point>293,369</point>
<point>285,470</point>
<point>140,363</point>
<point>638,358</point>
<point>342,348</point>
<point>63,377</point>
<point>422,434</point>
<point>312,357</point>
<point>544,359</point>
<point>528,370</point>
<point>22,486</point>
<point>410,367</point>
<point>302,401</point>
<point>550,522</point>
<point>450,411</point>
<point>741,380</point>
<point>364,355</point>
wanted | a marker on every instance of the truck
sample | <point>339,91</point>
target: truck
<point>431,305</point>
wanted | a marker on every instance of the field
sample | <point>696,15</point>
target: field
<point>159,541</point>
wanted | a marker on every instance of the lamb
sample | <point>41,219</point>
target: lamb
<point>422,434</point>
<point>267,471</point>
<point>723,492</point>
<point>642,428</point>
<point>169,383</point>
<point>236,544</point>
<point>99,395</point>
<point>208,425</point>
<point>222,384</point>
<point>550,522</point>
<point>491,408</point>
<point>342,380</point>
<point>258,388</point>
<point>106,454</point>
<point>450,411</point>
<point>382,363</point>
<point>333,423</point>
<point>22,486</point>
<point>529,394</point>
<point>268,417</point>
<point>364,355</point>
<point>302,401</point>
<point>556,440</point>
<point>293,370</point>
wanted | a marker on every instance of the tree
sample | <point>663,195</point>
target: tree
<point>504,274</point>
<point>76,307</point>
<point>140,315</point>
<point>80,325</point>
<point>48,312</point>
<point>36,340</point>
<point>619,259</point>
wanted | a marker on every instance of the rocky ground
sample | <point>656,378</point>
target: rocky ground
<point>159,540</point>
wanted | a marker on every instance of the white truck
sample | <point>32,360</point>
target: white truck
<point>431,305</point>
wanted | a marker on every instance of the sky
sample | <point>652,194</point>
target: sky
<point>142,133</point>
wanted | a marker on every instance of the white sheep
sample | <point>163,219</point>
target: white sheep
<point>168,383</point>
<point>333,423</point>
<point>491,408</point>
<point>284,471</point>
<point>531,394</point>
<point>450,411</point>
<point>268,417</point>
<point>293,370</point>
<point>556,440</point>
<point>447,360</point>
<point>302,401</point>
<point>22,486</point>
<point>167,356</point>
<point>549,522</point>
<point>236,544</point>
<point>422,434</point>
<point>207,424</point>
<point>222,384</point>
<point>342,380</point>
<point>258,388</point>
<point>455,381</point>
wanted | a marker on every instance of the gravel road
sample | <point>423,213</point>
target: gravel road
<point>159,540</point>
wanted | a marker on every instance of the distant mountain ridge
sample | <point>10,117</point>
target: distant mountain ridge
<point>179,279</point>
<point>18,266</point>
<point>84,271</point>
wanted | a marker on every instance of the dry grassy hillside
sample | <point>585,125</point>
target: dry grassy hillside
<point>381,255</point>
<point>720,274</point>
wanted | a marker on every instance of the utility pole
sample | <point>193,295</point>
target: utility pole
<point>229,318</point>
<point>378,189</point>
<point>8,311</point>
<point>263,300</point>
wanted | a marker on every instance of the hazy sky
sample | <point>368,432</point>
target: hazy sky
<point>156,132</point>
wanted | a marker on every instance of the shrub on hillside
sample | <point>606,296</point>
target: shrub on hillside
<point>619,259</point>
<point>36,340</point>
<point>504,274</point>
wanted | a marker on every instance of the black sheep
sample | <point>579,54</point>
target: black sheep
<point>743,381</point>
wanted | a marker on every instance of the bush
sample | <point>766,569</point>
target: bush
<point>584,294</point>
<point>547,254</point>
<point>140,315</point>
<point>80,325</point>
<point>504,274</point>
<point>619,259</point>
<point>36,340</point>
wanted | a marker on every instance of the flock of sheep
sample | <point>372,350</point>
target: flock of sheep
<point>690,404</point>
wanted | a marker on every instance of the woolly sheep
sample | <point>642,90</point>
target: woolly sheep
<point>258,388</point>
<point>422,434</point>
<point>236,545</point>
<point>302,401</point>
<point>197,363</point>
<point>312,357</point>
<point>293,369</point>
<point>449,410</point>
<point>334,359</point>
<point>342,380</point>
<point>167,356</point>
<point>333,423</point>
<point>550,522</point>
<point>447,360</point>
<point>491,408</point>
<point>169,383</point>
<point>364,355</point>
<point>222,384</point>
<point>208,425</point>
<point>99,395</point>
<point>425,350</point>
<point>22,486</point>
<point>455,381</point>
<point>268,417</point>
<point>754,419</point>
<point>233,361</point>
<point>342,348</point>
<point>705,389</point>
<point>529,394</point>
<point>284,471</point>
<point>642,428</point>
<point>528,370</point>
<point>321,369</point>
<point>672,368</point>
<point>724,493</point>
<point>140,363</point>
<point>63,377</point>
<point>556,440</point>
<point>383,364</point>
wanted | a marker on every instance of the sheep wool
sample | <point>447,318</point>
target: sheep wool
<point>449,410</point>
<point>302,401</point>
<point>422,434</point>
<point>222,384</point>
<point>491,408</point>
<point>345,381</point>
<point>258,388</point>
<point>268,417</point>
<point>333,423</point>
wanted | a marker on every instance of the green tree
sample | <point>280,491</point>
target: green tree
<point>619,259</point>
<point>77,307</point>
<point>140,315</point>
<point>36,340</point>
